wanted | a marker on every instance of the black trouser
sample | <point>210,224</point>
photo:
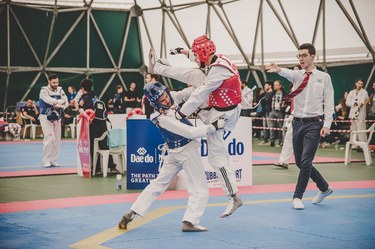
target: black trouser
<point>97,128</point>
<point>306,137</point>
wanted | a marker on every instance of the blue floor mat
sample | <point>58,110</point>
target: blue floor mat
<point>346,220</point>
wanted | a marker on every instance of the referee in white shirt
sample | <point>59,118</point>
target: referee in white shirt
<point>313,110</point>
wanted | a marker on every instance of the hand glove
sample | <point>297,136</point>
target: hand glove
<point>179,115</point>
<point>175,51</point>
<point>219,124</point>
<point>60,101</point>
<point>191,56</point>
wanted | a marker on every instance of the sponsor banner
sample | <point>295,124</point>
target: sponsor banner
<point>144,143</point>
<point>83,145</point>
<point>239,146</point>
<point>144,149</point>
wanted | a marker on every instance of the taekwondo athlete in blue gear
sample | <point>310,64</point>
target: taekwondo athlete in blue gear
<point>183,154</point>
<point>52,102</point>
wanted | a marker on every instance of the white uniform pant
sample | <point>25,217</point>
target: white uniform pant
<point>218,155</point>
<point>51,140</point>
<point>359,125</point>
<point>189,160</point>
<point>287,150</point>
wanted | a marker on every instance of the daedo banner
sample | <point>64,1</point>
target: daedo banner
<point>144,144</point>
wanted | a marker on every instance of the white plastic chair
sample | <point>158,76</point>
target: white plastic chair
<point>117,146</point>
<point>28,124</point>
<point>71,127</point>
<point>353,141</point>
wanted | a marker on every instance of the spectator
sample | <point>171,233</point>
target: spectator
<point>70,112</point>
<point>98,125</point>
<point>257,107</point>
<point>118,100</point>
<point>146,107</point>
<point>277,113</point>
<point>357,100</point>
<point>371,109</point>
<point>30,111</point>
<point>71,93</point>
<point>341,114</point>
<point>131,98</point>
<point>110,106</point>
<point>266,109</point>
<point>247,99</point>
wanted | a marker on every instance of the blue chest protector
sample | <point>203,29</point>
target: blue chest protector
<point>173,140</point>
<point>47,109</point>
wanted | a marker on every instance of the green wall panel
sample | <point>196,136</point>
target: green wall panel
<point>3,36</point>
<point>36,26</point>
<point>133,56</point>
<point>111,24</point>
<point>3,78</point>
<point>98,56</point>
<point>19,83</point>
<point>73,51</point>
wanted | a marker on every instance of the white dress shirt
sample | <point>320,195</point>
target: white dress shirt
<point>317,97</point>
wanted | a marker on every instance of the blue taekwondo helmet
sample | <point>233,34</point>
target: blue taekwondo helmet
<point>153,91</point>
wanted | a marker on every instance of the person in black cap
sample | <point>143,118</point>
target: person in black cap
<point>99,124</point>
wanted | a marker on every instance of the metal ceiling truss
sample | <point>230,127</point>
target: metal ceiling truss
<point>169,10</point>
<point>43,64</point>
<point>249,59</point>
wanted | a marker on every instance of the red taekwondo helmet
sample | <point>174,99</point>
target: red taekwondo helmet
<point>204,47</point>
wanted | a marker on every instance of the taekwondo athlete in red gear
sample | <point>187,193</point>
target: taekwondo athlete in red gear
<point>52,102</point>
<point>219,91</point>
<point>183,154</point>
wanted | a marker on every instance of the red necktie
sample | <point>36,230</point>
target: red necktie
<point>291,95</point>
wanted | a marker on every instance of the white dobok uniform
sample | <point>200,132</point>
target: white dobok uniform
<point>51,129</point>
<point>183,154</point>
<point>357,103</point>
<point>218,155</point>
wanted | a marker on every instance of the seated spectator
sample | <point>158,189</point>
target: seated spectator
<point>70,112</point>
<point>71,93</point>
<point>341,114</point>
<point>110,106</point>
<point>30,112</point>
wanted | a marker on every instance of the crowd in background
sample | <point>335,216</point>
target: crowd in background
<point>267,103</point>
<point>270,110</point>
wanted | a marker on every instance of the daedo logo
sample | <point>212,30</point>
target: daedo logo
<point>142,156</point>
<point>234,147</point>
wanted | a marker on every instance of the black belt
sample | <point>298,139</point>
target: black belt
<point>309,119</point>
<point>224,109</point>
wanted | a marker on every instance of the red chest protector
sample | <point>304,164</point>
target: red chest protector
<point>229,92</point>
